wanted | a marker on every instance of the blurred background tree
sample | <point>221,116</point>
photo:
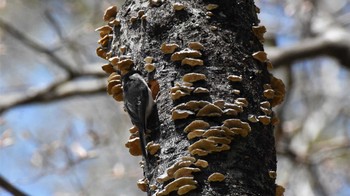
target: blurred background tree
<point>60,134</point>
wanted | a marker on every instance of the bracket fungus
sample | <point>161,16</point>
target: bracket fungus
<point>272,174</point>
<point>214,132</point>
<point>210,110</point>
<point>269,65</point>
<point>237,127</point>
<point>149,67</point>
<point>114,76</point>
<point>266,111</point>
<point>195,133</point>
<point>192,62</point>
<point>148,59</point>
<point>265,120</point>
<point>199,152</point>
<point>169,173</point>
<point>178,94</point>
<point>204,147</point>
<point>234,106</point>
<point>186,89</point>
<point>252,118</point>
<point>211,6</point>
<point>185,189</point>
<point>278,86</point>
<point>241,101</point>
<point>144,17</point>
<point>156,3</point>
<point>125,64</point>
<point>111,84</point>
<point>230,112</point>
<point>115,22</point>
<point>168,48</point>
<point>201,90</point>
<point>178,6</point>
<point>209,14</point>
<point>196,124</point>
<point>118,97</point>
<point>108,68</point>
<point>259,32</point>
<point>193,77</point>
<point>114,60</point>
<point>142,184</point>
<point>216,177</point>
<point>265,104</point>
<point>188,158</point>
<point>196,46</point>
<point>236,123</point>
<point>101,52</point>
<point>204,144</point>
<point>269,93</point>
<point>133,129</point>
<point>236,92</point>
<point>185,172</point>
<point>105,29</point>
<point>196,105</point>
<point>201,163</point>
<point>219,140</point>
<point>181,114</point>
<point>152,148</point>
<point>105,40</point>
<point>260,56</point>
<point>213,28</point>
<point>110,13</point>
<point>176,184</point>
<point>178,56</point>
<point>134,146</point>
<point>275,120</point>
<point>122,49</point>
<point>117,89</point>
<point>279,190</point>
<point>140,13</point>
<point>234,78</point>
<point>220,103</point>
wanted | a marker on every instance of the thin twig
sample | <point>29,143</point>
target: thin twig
<point>10,187</point>
<point>58,90</point>
<point>11,30</point>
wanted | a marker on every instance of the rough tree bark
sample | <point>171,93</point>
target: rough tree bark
<point>242,148</point>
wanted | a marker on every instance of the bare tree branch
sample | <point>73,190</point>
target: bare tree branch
<point>10,188</point>
<point>37,47</point>
<point>57,90</point>
<point>335,44</point>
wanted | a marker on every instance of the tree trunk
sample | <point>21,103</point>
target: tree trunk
<point>237,91</point>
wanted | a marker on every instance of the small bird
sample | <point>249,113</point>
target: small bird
<point>138,102</point>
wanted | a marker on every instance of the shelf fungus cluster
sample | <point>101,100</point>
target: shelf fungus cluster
<point>120,62</point>
<point>180,175</point>
<point>133,143</point>
<point>123,64</point>
<point>114,87</point>
<point>188,56</point>
<point>106,35</point>
<point>186,88</point>
<point>273,92</point>
<point>178,6</point>
<point>140,15</point>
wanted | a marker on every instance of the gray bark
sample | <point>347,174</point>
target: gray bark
<point>229,44</point>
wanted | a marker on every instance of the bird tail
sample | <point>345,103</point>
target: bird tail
<point>143,143</point>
